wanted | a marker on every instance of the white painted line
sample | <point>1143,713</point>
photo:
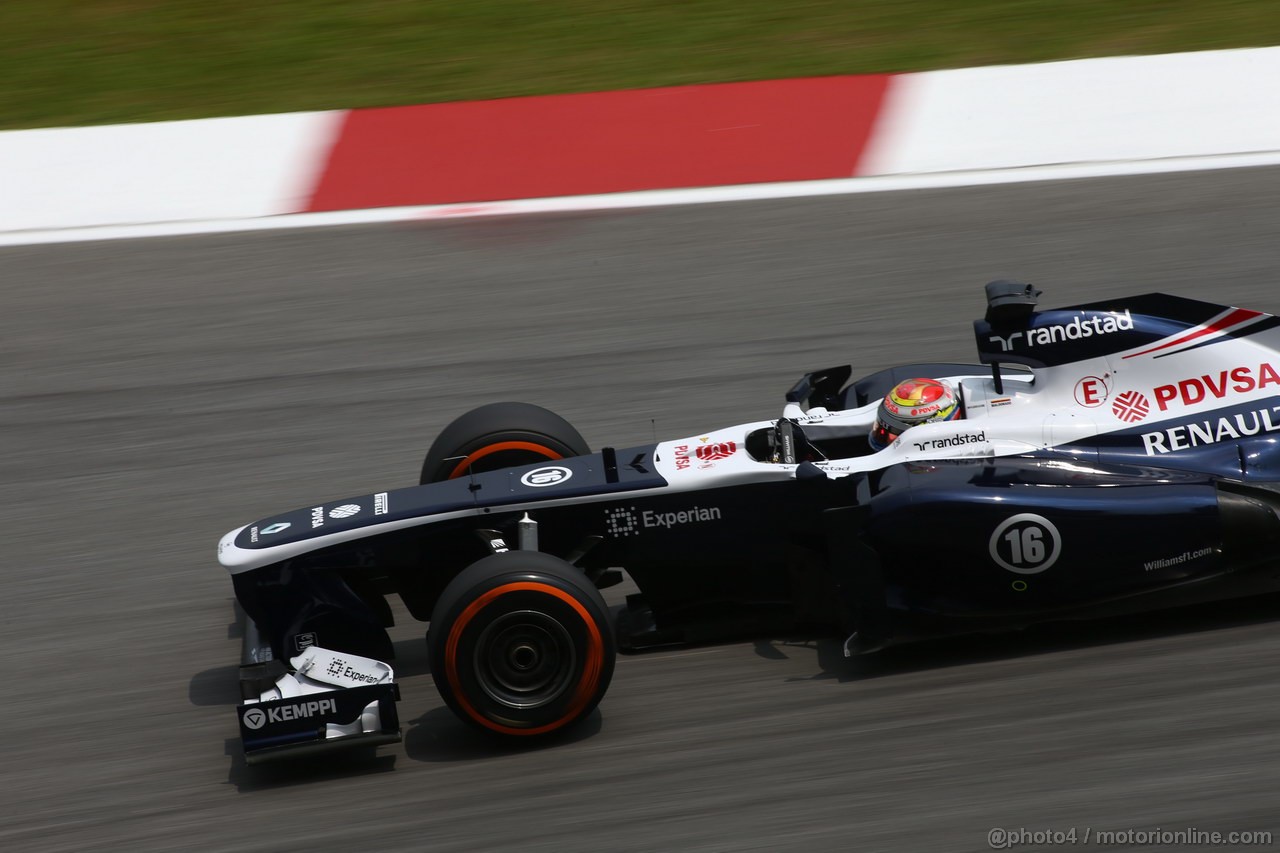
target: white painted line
<point>650,198</point>
<point>213,169</point>
<point>1108,110</point>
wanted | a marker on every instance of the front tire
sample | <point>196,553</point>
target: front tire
<point>521,645</point>
<point>500,435</point>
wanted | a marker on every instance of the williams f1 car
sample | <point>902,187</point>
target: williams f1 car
<point>1111,458</point>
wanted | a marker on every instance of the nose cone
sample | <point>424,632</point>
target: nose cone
<point>227,549</point>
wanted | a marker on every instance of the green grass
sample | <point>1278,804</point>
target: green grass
<point>96,61</point>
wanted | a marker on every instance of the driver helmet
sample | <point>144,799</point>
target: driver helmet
<point>912,402</point>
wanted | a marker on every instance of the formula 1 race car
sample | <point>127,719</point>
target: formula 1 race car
<point>1113,457</point>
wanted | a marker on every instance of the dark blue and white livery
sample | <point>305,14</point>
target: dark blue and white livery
<point>1114,457</point>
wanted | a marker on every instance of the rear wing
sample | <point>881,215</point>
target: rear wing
<point>1157,324</point>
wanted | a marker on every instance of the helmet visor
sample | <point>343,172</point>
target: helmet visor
<point>882,435</point>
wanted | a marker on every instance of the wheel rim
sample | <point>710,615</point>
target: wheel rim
<point>511,453</point>
<point>525,659</point>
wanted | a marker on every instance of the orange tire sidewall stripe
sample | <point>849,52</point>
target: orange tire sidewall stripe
<point>590,672</point>
<point>476,456</point>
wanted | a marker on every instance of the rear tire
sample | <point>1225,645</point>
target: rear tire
<point>500,435</point>
<point>521,645</point>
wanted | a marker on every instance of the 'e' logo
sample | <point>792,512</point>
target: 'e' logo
<point>1091,392</point>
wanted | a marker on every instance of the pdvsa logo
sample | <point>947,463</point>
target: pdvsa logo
<point>1131,407</point>
<point>1217,386</point>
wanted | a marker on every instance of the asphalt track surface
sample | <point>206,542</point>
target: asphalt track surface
<point>158,393</point>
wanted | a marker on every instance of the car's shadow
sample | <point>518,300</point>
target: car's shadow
<point>305,770</point>
<point>1048,638</point>
<point>437,736</point>
<point>440,737</point>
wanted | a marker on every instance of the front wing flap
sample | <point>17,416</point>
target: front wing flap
<point>315,722</point>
